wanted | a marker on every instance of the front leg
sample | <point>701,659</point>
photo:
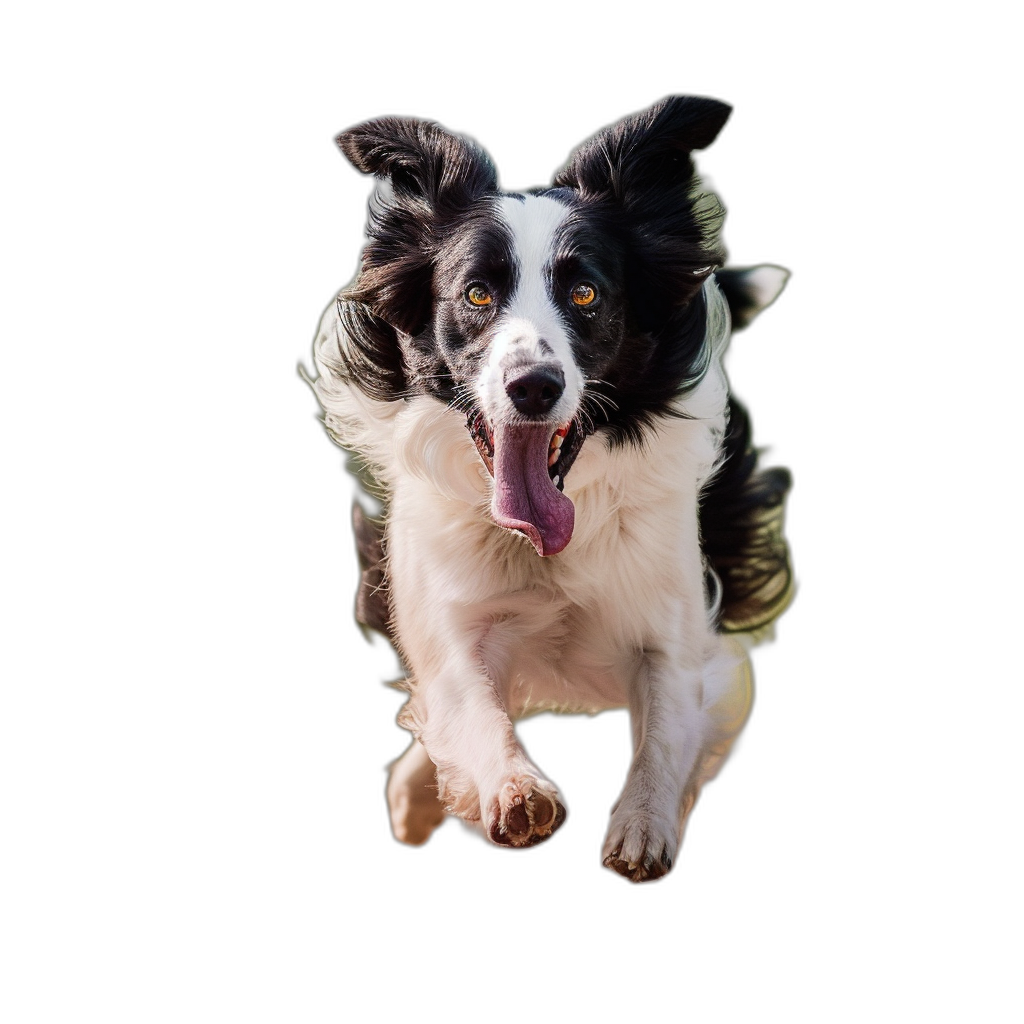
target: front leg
<point>483,773</point>
<point>460,641</point>
<point>684,721</point>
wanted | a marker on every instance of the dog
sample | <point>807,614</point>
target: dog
<point>571,516</point>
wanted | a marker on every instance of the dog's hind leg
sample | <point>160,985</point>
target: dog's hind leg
<point>412,796</point>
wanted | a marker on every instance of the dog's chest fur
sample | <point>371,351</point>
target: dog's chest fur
<point>553,632</point>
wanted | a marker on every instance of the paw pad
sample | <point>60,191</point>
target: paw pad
<point>525,814</point>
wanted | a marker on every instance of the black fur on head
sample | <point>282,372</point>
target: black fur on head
<point>640,226</point>
<point>432,178</point>
<point>642,168</point>
<point>638,176</point>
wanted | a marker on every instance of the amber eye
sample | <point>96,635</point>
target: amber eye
<point>583,294</point>
<point>478,295</point>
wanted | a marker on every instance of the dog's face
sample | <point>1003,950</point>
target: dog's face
<point>542,317</point>
<point>530,313</point>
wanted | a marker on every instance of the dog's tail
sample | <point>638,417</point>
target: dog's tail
<point>741,520</point>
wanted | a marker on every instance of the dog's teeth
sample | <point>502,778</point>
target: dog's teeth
<point>554,450</point>
<point>555,479</point>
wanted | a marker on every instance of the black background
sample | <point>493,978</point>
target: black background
<point>762,838</point>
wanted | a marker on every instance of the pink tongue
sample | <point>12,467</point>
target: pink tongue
<point>525,498</point>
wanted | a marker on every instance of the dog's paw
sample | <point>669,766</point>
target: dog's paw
<point>639,846</point>
<point>646,869</point>
<point>525,812</point>
<point>412,797</point>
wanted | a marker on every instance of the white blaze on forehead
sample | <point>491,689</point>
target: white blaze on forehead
<point>533,222</point>
<point>531,328</point>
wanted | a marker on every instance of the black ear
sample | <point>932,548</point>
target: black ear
<point>422,160</point>
<point>648,149</point>
<point>429,178</point>
<point>641,169</point>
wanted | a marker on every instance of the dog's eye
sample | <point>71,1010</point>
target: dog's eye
<point>583,294</point>
<point>478,295</point>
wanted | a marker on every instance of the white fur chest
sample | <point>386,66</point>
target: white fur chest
<point>554,631</point>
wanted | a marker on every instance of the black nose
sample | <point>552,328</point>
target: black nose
<point>534,389</point>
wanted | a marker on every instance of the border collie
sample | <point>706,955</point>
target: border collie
<point>570,513</point>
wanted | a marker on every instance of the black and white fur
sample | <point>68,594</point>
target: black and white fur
<point>487,335</point>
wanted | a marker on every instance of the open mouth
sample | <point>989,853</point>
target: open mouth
<point>529,463</point>
<point>563,447</point>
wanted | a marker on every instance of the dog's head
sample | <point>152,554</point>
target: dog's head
<point>542,317</point>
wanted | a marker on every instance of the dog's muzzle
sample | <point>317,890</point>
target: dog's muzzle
<point>530,458</point>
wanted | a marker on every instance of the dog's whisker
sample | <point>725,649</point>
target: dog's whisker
<point>463,404</point>
<point>602,403</point>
